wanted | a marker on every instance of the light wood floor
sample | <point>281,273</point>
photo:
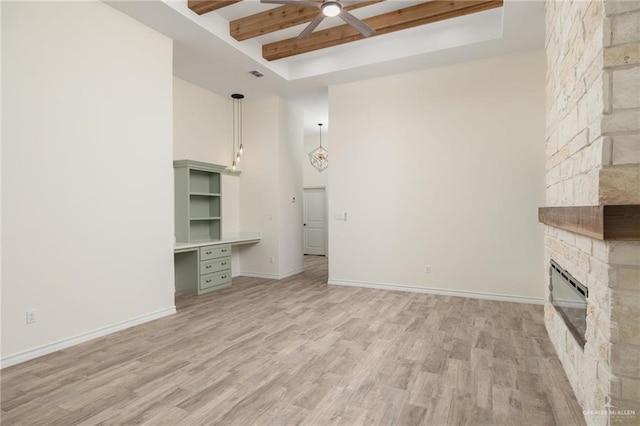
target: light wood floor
<point>298,351</point>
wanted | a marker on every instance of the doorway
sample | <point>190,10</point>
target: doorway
<point>315,221</point>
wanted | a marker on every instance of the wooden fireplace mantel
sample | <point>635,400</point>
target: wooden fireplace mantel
<point>604,222</point>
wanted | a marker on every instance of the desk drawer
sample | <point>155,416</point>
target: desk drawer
<point>214,252</point>
<point>215,279</point>
<point>215,265</point>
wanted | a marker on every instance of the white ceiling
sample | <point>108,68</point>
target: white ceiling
<point>205,54</point>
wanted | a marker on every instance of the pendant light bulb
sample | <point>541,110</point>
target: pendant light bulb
<point>233,166</point>
<point>241,149</point>
<point>238,158</point>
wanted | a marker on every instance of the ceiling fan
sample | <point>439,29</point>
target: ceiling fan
<point>328,9</point>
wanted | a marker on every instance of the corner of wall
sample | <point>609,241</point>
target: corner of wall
<point>290,183</point>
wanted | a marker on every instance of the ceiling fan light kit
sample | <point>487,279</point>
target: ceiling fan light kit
<point>331,8</point>
<point>328,9</point>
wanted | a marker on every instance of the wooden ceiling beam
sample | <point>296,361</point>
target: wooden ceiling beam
<point>401,19</point>
<point>277,19</point>
<point>205,6</point>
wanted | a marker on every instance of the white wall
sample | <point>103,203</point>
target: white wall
<point>1,133</point>
<point>312,177</point>
<point>87,194</point>
<point>291,253</point>
<point>202,131</point>
<point>231,215</point>
<point>259,186</point>
<point>272,175</point>
<point>441,167</point>
<point>202,124</point>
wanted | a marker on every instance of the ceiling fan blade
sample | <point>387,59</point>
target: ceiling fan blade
<point>307,3</point>
<point>312,26</point>
<point>363,28</point>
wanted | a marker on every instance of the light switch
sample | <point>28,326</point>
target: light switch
<point>340,216</point>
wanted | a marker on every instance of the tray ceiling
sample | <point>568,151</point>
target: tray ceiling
<point>207,54</point>
<point>253,20</point>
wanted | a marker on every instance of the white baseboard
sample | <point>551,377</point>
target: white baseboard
<point>10,360</point>
<point>443,292</point>
<point>271,276</point>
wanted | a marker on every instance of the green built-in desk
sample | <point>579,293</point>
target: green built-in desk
<point>205,266</point>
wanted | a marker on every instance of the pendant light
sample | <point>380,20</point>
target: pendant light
<point>236,154</point>
<point>319,157</point>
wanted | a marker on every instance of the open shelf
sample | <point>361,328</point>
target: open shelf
<point>200,230</point>
<point>204,182</point>
<point>203,206</point>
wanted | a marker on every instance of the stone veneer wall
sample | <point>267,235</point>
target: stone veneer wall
<point>593,157</point>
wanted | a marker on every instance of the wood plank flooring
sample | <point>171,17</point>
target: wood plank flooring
<point>298,351</point>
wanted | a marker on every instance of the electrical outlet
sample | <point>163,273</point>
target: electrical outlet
<point>427,269</point>
<point>31,316</point>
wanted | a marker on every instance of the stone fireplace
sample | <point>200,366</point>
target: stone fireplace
<point>593,161</point>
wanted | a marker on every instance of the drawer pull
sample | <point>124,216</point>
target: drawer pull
<point>208,266</point>
<point>224,250</point>
<point>223,263</point>
<point>208,281</point>
<point>223,277</point>
<point>208,252</point>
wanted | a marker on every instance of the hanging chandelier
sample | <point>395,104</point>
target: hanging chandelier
<point>319,157</point>
<point>238,148</point>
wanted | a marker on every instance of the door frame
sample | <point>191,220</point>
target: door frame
<point>326,216</point>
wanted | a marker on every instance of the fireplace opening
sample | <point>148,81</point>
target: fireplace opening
<point>569,297</point>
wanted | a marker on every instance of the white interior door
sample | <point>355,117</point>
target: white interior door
<point>315,236</point>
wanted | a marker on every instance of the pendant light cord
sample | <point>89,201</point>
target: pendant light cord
<point>233,141</point>
<point>237,148</point>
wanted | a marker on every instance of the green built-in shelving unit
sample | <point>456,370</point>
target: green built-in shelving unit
<point>198,201</point>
